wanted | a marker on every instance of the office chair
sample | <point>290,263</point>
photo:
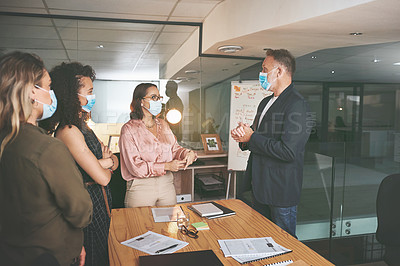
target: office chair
<point>388,214</point>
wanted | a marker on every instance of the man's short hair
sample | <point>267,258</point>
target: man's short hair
<point>285,58</point>
<point>172,85</point>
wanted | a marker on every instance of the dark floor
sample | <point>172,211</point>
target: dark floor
<point>359,250</point>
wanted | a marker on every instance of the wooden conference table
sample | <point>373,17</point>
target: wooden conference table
<point>130,222</point>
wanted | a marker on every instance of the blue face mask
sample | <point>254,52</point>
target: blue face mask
<point>264,81</point>
<point>91,101</point>
<point>155,107</point>
<point>48,109</point>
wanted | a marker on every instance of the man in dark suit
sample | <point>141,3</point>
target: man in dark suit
<point>277,140</point>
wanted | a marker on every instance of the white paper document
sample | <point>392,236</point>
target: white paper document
<point>255,247</point>
<point>155,244</point>
<point>167,214</point>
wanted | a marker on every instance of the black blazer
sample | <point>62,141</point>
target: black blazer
<point>275,165</point>
<point>387,210</point>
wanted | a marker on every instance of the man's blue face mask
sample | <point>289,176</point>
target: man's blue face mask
<point>264,81</point>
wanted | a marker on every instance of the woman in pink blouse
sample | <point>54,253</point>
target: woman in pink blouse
<point>150,152</point>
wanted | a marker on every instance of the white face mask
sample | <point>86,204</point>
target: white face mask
<point>91,101</point>
<point>48,109</point>
<point>155,107</point>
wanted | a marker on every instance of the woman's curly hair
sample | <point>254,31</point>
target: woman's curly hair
<point>66,82</point>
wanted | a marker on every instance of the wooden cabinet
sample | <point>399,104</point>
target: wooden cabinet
<point>213,163</point>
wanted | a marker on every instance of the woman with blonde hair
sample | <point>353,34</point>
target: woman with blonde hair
<point>43,203</point>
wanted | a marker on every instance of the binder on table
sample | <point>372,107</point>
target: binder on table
<point>225,211</point>
<point>207,209</point>
<point>192,258</point>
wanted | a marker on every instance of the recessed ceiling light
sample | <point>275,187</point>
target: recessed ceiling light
<point>313,57</point>
<point>376,60</point>
<point>356,33</point>
<point>100,46</point>
<point>397,64</point>
<point>333,71</point>
<point>191,71</point>
<point>230,48</point>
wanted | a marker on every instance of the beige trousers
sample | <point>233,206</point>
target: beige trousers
<point>152,191</point>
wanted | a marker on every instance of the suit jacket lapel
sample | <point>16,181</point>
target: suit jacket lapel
<point>276,104</point>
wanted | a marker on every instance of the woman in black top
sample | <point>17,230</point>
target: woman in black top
<point>73,85</point>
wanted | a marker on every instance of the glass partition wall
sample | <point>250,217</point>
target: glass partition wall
<point>354,145</point>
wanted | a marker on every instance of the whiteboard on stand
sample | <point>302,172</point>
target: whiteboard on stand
<point>245,97</point>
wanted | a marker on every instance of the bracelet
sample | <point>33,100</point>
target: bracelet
<point>112,162</point>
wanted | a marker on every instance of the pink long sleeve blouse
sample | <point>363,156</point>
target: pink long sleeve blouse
<point>144,155</point>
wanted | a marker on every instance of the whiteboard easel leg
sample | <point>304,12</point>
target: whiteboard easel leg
<point>227,186</point>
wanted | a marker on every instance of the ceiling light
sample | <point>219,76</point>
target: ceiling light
<point>397,64</point>
<point>184,78</point>
<point>230,48</point>
<point>333,71</point>
<point>191,71</point>
<point>355,33</point>
<point>376,60</point>
<point>100,46</point>
<point>313,57</point>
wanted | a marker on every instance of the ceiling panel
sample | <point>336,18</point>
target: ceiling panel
<point>172,38</point>
<point>108,46</point>
<point>14,20</point>
<point>103,25</point>
<point>144,7</point>
<point>105,35</point>
<point>194,9</point>
<point>44,53</point>
<point>163,48</point>
<point>106,56</point>
<point>30,43</point>
<point>26,32</point>
<point>22,3</point>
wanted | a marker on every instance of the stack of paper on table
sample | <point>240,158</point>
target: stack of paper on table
<point>251,249</point>
<point>154,244</point>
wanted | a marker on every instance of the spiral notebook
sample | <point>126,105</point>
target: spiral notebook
<point>251,258</point>
<point>251,249</point>
<point>281,263</point>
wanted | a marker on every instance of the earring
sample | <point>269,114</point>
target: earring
<point>141,104</point>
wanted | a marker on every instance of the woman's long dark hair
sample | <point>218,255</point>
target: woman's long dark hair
<point>138,94</point>
<point>66,83</point>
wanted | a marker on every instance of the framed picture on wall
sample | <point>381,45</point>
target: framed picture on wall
<point>113,143</point>
<point>211,143</point>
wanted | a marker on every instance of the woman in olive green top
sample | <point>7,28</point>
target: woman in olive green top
<point>43,203</point>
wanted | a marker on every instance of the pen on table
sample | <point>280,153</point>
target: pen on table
<point>164,249</point>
